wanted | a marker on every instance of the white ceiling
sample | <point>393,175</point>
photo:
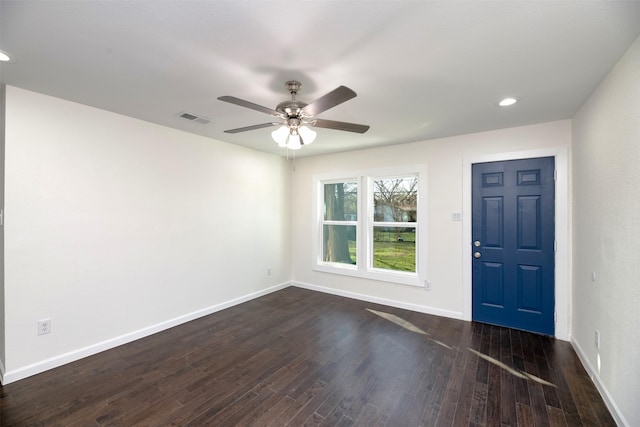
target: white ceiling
<point>422,69</point>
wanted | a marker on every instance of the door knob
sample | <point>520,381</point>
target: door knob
<point>477,255</point>
<point>476,243</point>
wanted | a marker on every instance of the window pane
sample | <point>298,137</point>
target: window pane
<point>341,201</point>
<point>339,244</point>
<point>394,248</point>
<point>395,199</point>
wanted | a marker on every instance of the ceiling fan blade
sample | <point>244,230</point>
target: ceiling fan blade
<point>247,104</point>
<point>332,124</point>
<point>246,128</point>
<point>331,99</point>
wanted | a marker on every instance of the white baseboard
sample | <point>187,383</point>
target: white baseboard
<point>383,301</point>
<point>593,373</point>
<point>72,356</point>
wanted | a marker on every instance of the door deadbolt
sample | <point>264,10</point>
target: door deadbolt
<point>477,255</point>
<point>476,243</point>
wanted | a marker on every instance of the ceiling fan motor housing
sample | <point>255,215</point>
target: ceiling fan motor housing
<point>291,108</point>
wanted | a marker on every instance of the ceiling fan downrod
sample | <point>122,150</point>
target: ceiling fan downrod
<point>294,87</point>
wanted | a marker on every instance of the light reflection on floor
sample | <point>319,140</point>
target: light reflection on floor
<point>518,373</point>
<point>413,328</point>
<point>406,325</point>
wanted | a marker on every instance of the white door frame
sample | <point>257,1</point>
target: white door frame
<point>563,249</point>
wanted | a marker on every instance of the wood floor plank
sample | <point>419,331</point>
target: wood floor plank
<point>297,357</point>
<point>287,408</point>
<point>479,405</point>
<point>485,344</point>
<point>327,374</point>
<point>450,399</point>
<point>494,396</point>
<point>368,417</point>
<point>436,395</point>
<point>313,420</point>
<point>494,380</point>
<point>463,406</point>
<point>556,417</point>
<point>525,415</point>
<point>268,399</point>
<point>507,381</point>
<point>521,387</point>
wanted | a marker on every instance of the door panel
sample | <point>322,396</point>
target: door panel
<point>493,222</point>
<point>530,288</point>
<point>513,232</point>
<point>493,292</point>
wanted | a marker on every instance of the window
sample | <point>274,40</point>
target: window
<point>372,225</point>
<point>340,222</point>
<point>394,223</point>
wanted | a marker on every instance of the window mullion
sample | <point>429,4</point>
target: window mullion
<point>369,222</point>
<point>395,224</point>
<point>334,222</point>
<point>363,240</point>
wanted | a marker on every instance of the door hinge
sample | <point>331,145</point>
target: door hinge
<point>555,246</point>
<point>555,317</point>
<point>555,174</point>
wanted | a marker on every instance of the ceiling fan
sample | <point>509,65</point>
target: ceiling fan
<point>296,116</point>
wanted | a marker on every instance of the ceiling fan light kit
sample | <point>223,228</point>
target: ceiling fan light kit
<point>297,117</point>
<point>293,138</point>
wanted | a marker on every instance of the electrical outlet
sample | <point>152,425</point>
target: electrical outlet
<point>597,339</point>
<point>427,285</point>
<point>268,271</point>
<point>44,326</point>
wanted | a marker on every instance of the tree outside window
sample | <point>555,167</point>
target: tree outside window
<point>340,222</point>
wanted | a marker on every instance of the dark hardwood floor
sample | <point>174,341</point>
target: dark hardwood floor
<point>297,357</point>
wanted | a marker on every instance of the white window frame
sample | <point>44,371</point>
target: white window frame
<point>364,227</point>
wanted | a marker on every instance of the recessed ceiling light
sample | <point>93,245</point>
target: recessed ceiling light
<point>4,56</point>
<point>507,101</point>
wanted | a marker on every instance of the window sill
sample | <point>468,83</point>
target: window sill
<point>401,278</point>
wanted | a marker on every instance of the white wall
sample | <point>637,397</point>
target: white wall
<point>444,160</point>
<point>116,228</point>
<point>606,176</point>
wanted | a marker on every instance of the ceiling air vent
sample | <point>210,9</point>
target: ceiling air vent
<point>194,118</point>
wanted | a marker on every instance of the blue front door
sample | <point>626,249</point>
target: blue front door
<point>513,244</point>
